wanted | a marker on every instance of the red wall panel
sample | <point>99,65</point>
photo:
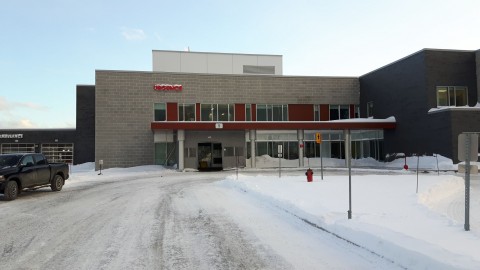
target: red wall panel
<point>172,112</point>
<point>324,112</point>
<point>239,112</point>
<point>254,112</point>
<point>352,111</point>
<point>197,111</point>
<point>300,112</point>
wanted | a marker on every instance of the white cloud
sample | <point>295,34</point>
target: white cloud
<point>133,34</point>
<point>7,105</point>
<point>25,123</point>
<point>20,114</point>
<point>16,124</point>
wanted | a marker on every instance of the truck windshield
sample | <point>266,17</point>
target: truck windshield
<point>9,160</point>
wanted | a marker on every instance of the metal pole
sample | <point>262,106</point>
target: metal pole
<point>349,164</point>
<point>279,166</point>
<point>321,161</point>
<point>438,168</point>
<point>418,165</point>
<point>237,167</point>
<point>467,181</point>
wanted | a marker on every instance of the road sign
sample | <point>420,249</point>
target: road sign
<point>473,146</point>
<point>318,137</point>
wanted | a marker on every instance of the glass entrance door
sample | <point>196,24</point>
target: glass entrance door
<point>210,156</point>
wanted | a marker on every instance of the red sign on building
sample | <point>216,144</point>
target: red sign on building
<point>168,87</point>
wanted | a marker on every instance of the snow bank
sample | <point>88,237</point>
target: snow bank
<point>389,218</point>
<point>425,163</point>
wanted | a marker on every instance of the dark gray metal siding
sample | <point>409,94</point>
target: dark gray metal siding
<point>406,89</point>
<point>85,134</point>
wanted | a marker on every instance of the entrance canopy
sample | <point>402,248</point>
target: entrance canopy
<point>352,124</point>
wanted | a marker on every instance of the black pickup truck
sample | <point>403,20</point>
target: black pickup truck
<point>29,171</point>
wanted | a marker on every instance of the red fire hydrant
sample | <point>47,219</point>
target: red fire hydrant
<point>309,175</point>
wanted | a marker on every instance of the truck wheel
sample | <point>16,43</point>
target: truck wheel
<point>11,191</point>
<point>57,183</point>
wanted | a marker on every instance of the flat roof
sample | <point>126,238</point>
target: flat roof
<point>252,54</point>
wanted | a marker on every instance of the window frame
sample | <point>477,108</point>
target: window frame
<point>181,108</point>
<point>215,112</point>
<point>451,98</point>
<point>338,108</point>
<point>269,110</point>
<point>316,112</point>
<point>248,112</point>
<point>155,111</point>
<point>370,109</point>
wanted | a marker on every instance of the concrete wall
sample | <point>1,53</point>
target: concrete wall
<point>212,63</point>
<point>124,103</point>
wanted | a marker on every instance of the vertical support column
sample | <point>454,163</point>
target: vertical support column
<point>300,137</point>
<point>468,142</point>
<point>253,138</point>
<point>348,158</point>
<point>181,149</point>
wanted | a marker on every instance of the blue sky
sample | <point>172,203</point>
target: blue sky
<point>48,47</point>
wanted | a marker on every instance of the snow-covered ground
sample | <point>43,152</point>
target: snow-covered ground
<point>423,230</point>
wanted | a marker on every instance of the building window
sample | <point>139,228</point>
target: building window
<point>357,111</point>
<point>160,112</point>
<point>165,153</point>
<point>190,152</point>
<point>247,69</point>
<point>272,112</point>
<point>452,96</point>
<point>217,112</point>
<point>316,112</point>
<point>186,112</point>
<point>8,148</point>
<point>339,112</point>
<point>370,109</point>
<point>58,152</point>
<point>248,112</point>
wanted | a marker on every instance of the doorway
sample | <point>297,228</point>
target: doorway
<point>210,156</point>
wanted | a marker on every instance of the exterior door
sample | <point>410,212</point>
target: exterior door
<point>210,156</point>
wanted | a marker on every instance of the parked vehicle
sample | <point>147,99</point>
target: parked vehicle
<point>29,171</point>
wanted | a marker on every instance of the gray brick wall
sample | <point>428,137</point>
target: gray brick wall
<point>124,103</point>
<point>477,58</point>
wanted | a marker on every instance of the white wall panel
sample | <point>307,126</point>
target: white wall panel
<point>166,61</point>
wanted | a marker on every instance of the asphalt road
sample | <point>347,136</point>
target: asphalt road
<point>177,221</point>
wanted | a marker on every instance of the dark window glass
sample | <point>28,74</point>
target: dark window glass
<point>316,112</point>
<point>206,112</point>
<point>334,112</point>
<point>186,112</point>
<point>40,160</point>
<point>452,96</point>
<point>160,112</point>
<point>248,112</point>
<point>261,112</point>
<point>344,112</point>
